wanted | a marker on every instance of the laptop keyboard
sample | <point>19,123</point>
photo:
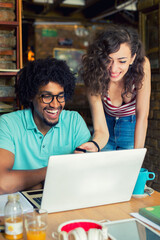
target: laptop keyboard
<point>38,200</point>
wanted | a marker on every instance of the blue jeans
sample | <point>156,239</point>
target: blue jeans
<point>121,131</point>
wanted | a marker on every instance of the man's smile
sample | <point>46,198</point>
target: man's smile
<point>52,113</point>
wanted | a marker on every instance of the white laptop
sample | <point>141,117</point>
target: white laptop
<point>75,181</point>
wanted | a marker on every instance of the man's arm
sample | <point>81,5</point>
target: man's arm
<point>17,180</point>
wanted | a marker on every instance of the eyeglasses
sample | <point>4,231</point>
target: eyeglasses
<point>48,98</point>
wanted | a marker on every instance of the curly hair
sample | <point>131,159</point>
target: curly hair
<point>94,62</point>
<point>39,73</point>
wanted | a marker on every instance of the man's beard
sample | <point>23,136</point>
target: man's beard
<point>50,124</point>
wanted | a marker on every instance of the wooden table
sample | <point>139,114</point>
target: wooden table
<point>111,212</point>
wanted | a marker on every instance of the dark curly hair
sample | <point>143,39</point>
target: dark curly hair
<point>39,73</point>
<point>95,61</point>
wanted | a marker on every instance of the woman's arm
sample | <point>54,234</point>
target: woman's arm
<point>142,107</point>
<point>101,134</point>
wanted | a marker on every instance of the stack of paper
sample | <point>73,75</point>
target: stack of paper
<point>5,107</point>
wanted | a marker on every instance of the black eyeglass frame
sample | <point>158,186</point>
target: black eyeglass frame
<point>52,97</point>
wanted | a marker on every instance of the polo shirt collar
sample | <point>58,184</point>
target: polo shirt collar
<point>30,124</point>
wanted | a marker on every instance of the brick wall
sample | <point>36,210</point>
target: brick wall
<point>46,39</point>
<point>45,43</point>
<point>7,54</point>
<point>7,36</point>
<point>152,160</point>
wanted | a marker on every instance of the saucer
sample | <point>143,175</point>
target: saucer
<point>147,192</point>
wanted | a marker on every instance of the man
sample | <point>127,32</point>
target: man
<point>29,136</point>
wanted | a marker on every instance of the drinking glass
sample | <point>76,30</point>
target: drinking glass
<point>36,224</point>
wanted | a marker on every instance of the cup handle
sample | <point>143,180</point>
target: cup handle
<point>151,173</point>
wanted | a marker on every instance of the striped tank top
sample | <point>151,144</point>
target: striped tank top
<point>126,109</point>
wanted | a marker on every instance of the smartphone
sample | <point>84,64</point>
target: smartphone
<point>1,228</point>
<point>131,229</point>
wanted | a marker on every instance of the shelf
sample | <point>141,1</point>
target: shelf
<point>8,73</point>
<point>13,50</point>
<point>6,111</point>
<point>7,99</point>
<point>8,25</point>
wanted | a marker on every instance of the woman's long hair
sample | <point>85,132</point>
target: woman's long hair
<point>95,61</point>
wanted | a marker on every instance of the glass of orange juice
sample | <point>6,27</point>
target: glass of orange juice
<point>36,224</point>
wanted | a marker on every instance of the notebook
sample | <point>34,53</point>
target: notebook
<point>75,181</point>
<point>152,213</point>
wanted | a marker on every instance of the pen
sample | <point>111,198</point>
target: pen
<point>147,191</point>
<point>81,149</point>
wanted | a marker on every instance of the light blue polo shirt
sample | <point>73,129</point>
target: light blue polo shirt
<point>20,135</point>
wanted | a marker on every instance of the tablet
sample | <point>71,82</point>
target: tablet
<point>131,229</point>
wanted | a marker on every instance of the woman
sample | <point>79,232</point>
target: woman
<point>118,80</point>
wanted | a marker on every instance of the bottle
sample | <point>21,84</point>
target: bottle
<point>13,218</point>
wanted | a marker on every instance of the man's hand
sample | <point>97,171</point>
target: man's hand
<point>86,147</point>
